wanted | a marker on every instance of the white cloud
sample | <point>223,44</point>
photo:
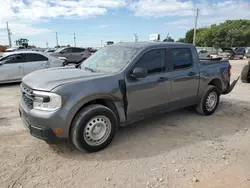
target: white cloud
<point>161,8</point>
<point>184,11</point>
<point>23,15</point>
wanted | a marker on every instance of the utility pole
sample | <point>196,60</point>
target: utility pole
<point>9,35</point>
<point>136,37</point>
<point>195,25</point>
<point>75,39</point>
<point>57,39</point>
<point>47,45</point>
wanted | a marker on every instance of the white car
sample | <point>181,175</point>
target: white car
<point>15,65</point>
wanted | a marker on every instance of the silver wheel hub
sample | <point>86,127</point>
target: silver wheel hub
<point>211,101</point>
<point>97,130</point>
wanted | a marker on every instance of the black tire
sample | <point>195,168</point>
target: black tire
<point>202,108</point>
<point>245,74</point>
<point>241,57</point>
<point>81,121</point>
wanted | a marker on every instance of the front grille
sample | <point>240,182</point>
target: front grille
<point>27,95</point>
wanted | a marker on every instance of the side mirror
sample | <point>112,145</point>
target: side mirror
<point>139,73</point>
<point>61,52</point>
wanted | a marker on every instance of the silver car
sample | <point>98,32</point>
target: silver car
<point>72,54</point>
<point>15,65</point>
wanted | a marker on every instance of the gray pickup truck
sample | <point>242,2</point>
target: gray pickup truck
<point>117,85</point>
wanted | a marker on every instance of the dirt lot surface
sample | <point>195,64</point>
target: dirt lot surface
<point>179,149</point>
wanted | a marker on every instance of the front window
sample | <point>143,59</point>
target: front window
<point>59,49</point>
<point>110,59</point>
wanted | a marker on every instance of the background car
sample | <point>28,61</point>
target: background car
<point>247,54</point>
<point>15,65</point>
<point>17,48</point>
<point>232,53</point>
<point>203,54</point>
<point>50,50</point>
<point>72,54</point>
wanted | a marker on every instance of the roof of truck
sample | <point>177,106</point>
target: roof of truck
<point>149,44</point>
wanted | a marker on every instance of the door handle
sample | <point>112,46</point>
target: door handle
<point>162,79</point>
<point>191,74</point>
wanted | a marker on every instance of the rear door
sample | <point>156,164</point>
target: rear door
<point>184,78</point>
<point>34,62</point>
<point>12,69</point>
<point>78,54</point>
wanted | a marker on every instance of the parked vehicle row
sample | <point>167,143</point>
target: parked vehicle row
<point>72,54</point>
<point>15,65</point>
<point>117,85</point>
<point>232,53</point>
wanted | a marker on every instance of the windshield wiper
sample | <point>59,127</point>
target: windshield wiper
<point>87,68</point>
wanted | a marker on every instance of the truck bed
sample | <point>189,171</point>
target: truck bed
<point>213,61</point>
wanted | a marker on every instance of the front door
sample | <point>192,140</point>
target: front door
<point>67,53</point>
<point>11,68</point>
<point>184,76</point>
<point>34,62</point>
<point>150,94</point>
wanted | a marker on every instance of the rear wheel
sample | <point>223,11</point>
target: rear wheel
<point>245,74</point>
<point>209,101</point>
<point>94,128</point>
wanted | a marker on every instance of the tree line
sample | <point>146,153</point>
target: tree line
<point>231,33</point>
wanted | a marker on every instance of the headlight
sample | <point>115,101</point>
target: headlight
<point>46,101</point>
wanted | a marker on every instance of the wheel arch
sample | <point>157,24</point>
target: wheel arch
<point>109,101</point>
<point>217,83</point>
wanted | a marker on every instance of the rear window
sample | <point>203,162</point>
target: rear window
<point>78,50</point>
<point>182,58</point>
<point>35,57</point>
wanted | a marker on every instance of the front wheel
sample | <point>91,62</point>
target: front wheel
<point>94,128</point>
<point>209,101</point>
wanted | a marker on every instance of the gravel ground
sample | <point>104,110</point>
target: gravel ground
<point>179,149</point>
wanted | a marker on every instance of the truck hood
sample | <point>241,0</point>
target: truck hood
<point>48,79</point>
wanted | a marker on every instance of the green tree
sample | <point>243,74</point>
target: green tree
<point>231,33</point>
<point>168,39</point>
<point>181,40</point>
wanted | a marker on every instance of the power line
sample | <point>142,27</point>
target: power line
<point>57,39</point>
<point>195,25</point>
<point>9,35</point>
<point>75,39</point>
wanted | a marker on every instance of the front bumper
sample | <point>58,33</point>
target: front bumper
<point>42,125</point>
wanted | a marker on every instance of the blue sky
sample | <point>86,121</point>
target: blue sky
<point>94,21</point>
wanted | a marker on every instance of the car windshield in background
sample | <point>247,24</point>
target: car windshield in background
<point>110,59</point>
<point>59,49</point>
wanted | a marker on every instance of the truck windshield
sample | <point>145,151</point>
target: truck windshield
<point>109,59</point>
